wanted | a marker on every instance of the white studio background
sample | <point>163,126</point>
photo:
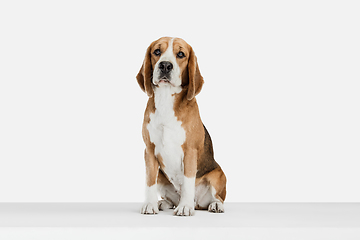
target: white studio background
<point>281,98</point>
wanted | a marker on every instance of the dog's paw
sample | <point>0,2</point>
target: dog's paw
<point>216,207</point>
<point>184,210</point>
<point>150,208</point>
<point>164,204</point>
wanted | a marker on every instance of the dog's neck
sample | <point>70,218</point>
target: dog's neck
<point>164,97</point>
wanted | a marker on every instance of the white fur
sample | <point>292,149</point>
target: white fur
<point>151,199</point>
<point>165,204</point>
<point>167,134</point>
<point>186,205</point>
<point>169,192</point>
<point>188,191</point>
<point>216,207</point>
<point>203,196</point>
<point>168,55</point>
<point>151,194</point>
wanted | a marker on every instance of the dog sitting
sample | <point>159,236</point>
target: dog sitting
<point>179,157</point>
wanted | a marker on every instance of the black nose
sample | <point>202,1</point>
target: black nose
<point>165,66</point>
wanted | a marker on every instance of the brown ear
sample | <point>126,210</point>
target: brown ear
<point>195,79</point>
<point>145,74</point>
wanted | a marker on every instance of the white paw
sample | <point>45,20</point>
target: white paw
<point>183,210</point>
<point>150,208</point>
<point>164,204</point>
<point>216,207</point>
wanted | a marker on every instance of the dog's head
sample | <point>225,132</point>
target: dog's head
<point>170,61</point>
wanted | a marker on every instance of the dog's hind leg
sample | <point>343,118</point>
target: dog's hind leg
<point>211,191</point>
<point>170,197</point>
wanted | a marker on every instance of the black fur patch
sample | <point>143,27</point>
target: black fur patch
<point>207,162</point>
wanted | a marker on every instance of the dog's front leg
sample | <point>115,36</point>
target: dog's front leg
<point>152,169</point>
<point>186,204</point>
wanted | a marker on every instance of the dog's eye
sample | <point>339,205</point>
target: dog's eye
<point>181,55</point>
<point>157,52</point>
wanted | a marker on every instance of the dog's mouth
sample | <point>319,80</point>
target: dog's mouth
<point>164,80</point>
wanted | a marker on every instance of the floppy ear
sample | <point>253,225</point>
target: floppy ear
<point>195,79</point>
<point>145,74</point>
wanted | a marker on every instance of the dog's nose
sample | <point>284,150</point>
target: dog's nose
<point>165,66</point>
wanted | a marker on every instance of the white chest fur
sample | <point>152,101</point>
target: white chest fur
<point>167,134</point>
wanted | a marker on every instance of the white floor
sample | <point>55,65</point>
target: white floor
<point>124,221</point>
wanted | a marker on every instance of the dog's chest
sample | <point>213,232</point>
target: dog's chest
<point>168,135</point>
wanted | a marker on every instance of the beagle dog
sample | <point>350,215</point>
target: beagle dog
<point>179,158</point>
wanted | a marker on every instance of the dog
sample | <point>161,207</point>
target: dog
<point>179,158</point>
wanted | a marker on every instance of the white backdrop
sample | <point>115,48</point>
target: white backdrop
<point>281,96</point>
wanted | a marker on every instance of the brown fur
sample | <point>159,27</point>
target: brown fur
<point>152,166</point>
<point>198,160</point>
